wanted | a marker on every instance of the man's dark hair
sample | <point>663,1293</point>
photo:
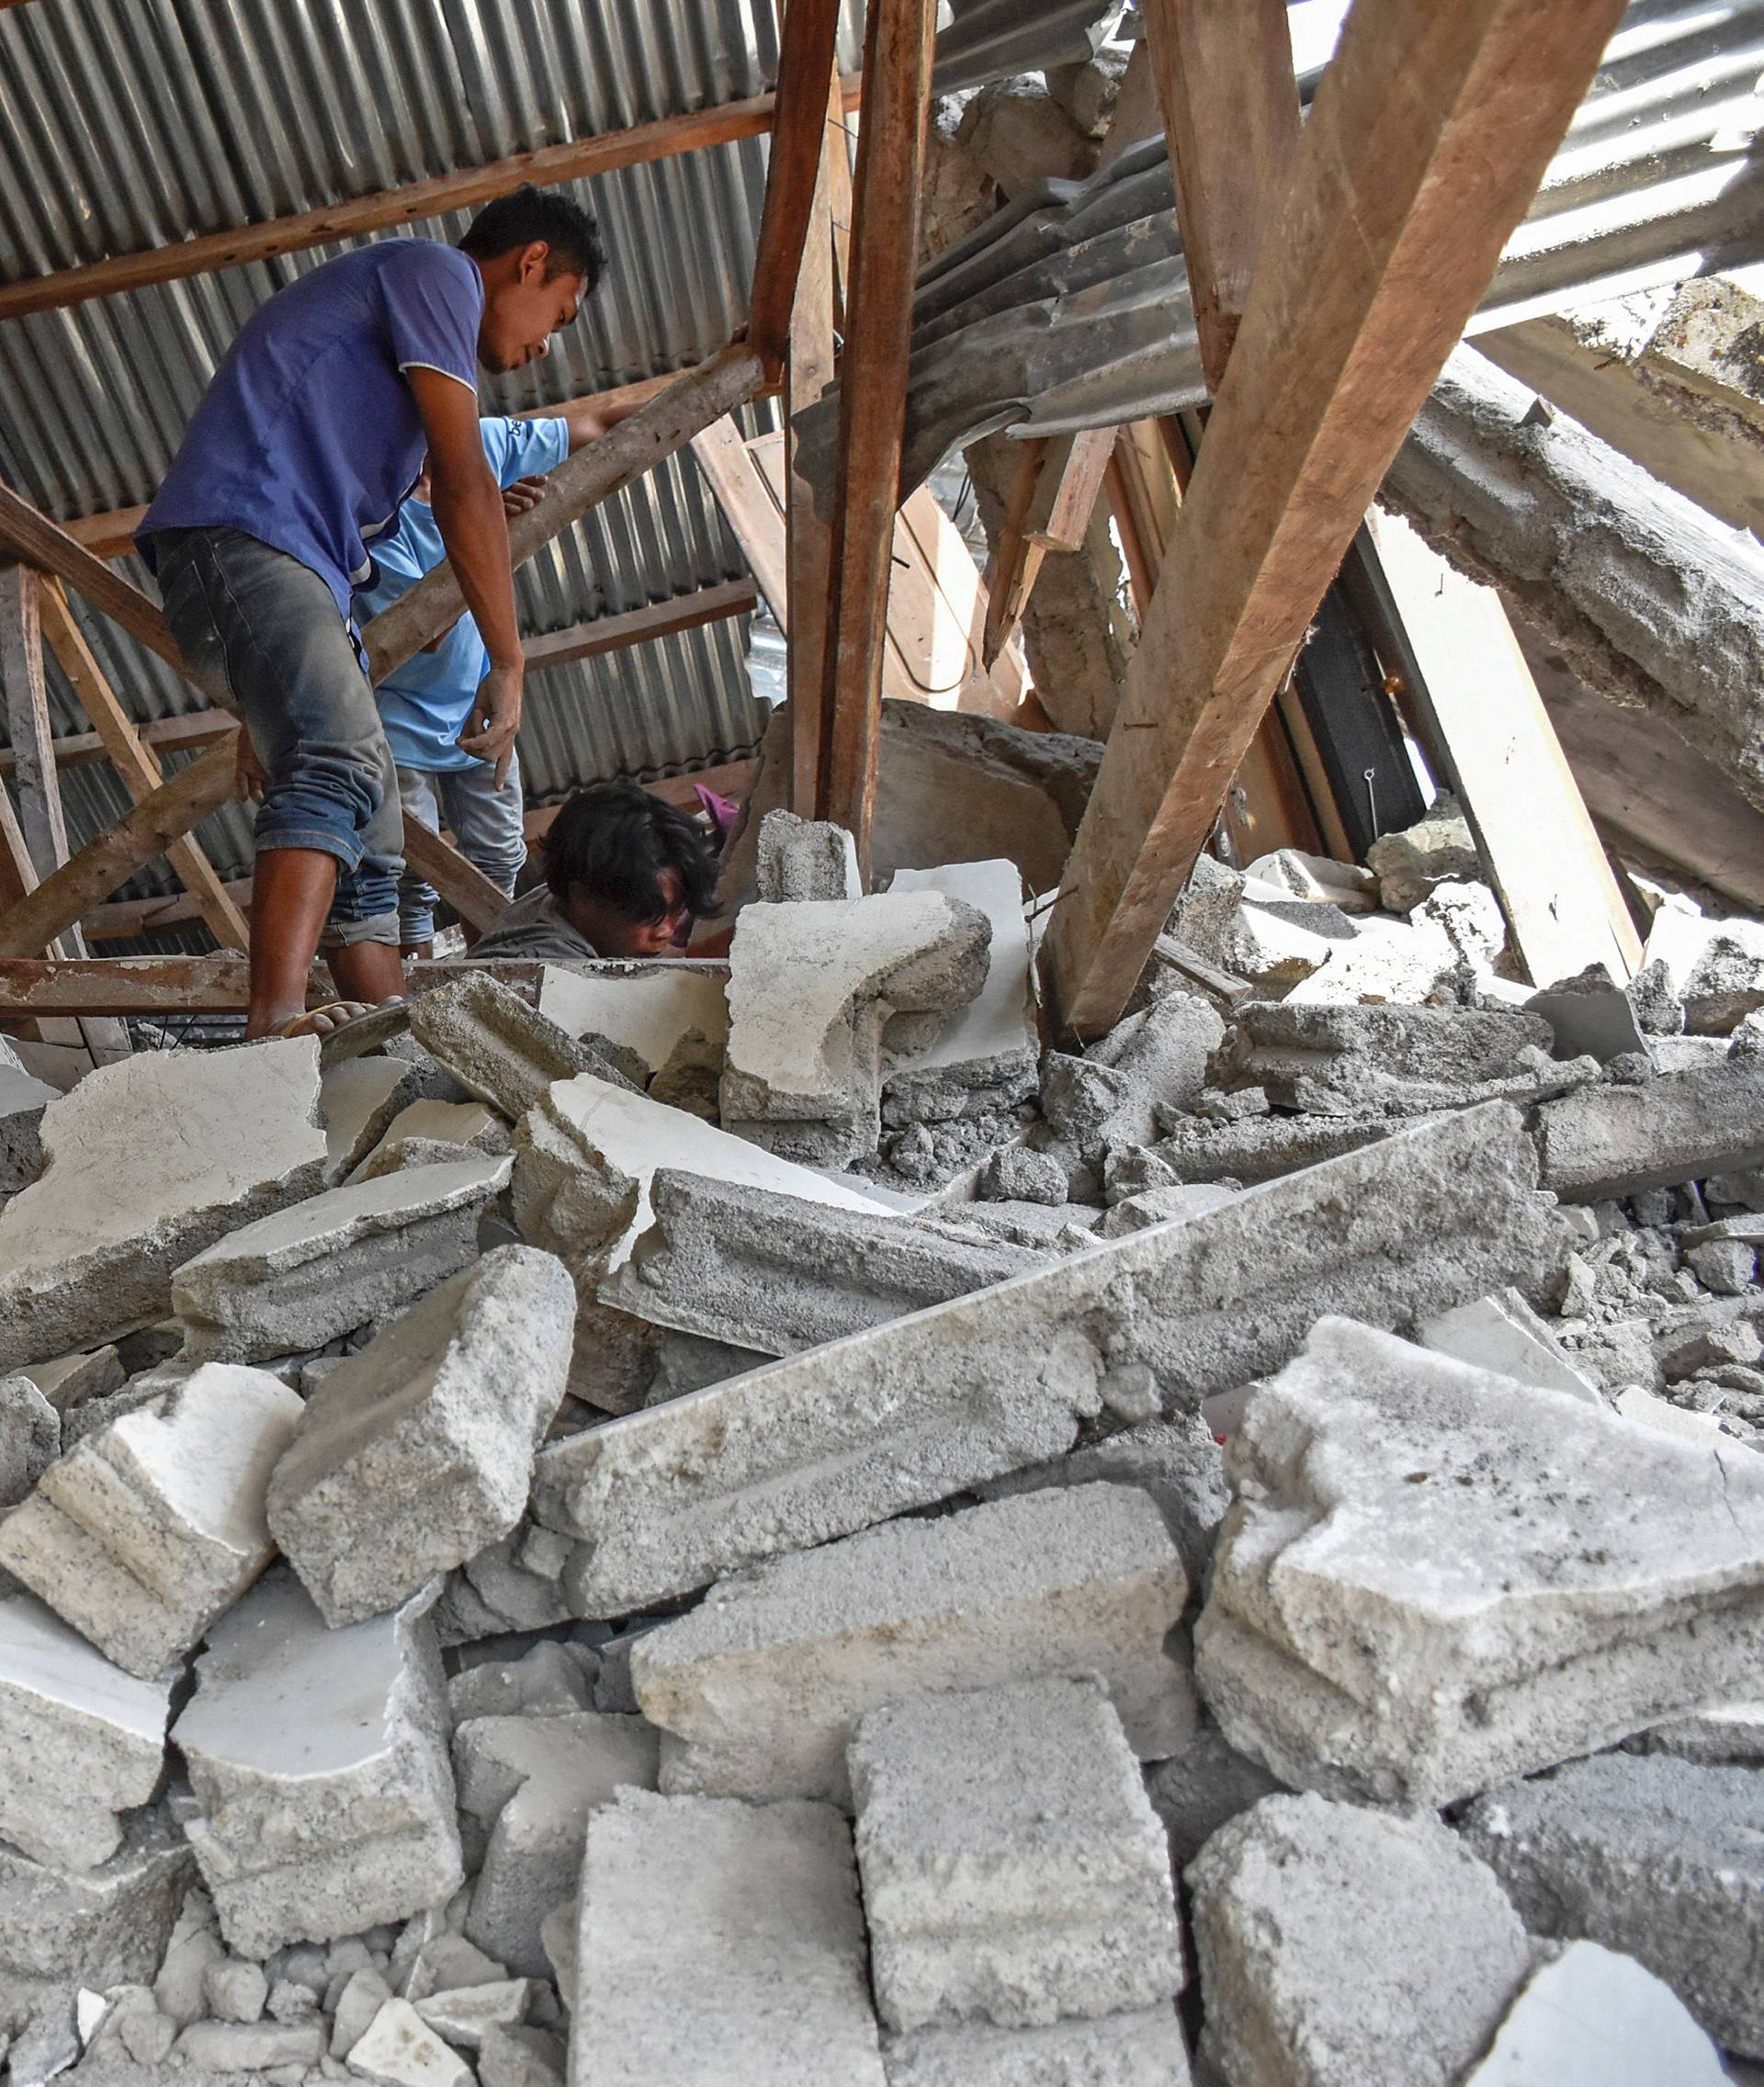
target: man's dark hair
<point>527,213</point>
<point>614,840</point>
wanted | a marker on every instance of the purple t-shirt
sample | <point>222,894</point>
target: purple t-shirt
<point>309,437</point>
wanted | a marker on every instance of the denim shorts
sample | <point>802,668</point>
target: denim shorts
<point>261,633</point>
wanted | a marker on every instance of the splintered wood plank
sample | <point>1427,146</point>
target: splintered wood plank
<point>1427,139</point>
<point>26,534</point>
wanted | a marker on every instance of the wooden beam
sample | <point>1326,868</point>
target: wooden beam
<point>26,696</point>
<point>594,473</point>
<point>1224,69</point>
<point>1429,136</point>
<point>1056,488</point>
<point>118,919</point>
<point>112,533</point>
<point>31,535</point>
<point>807,62</point>
<point>808,500</point>
<point>1544,860</point>
<point>200,985</point>
<point>137,765</point>
<point>873,400</point>
<point>478,901</point>
<point>639,626</point>
<point>143,831</point>
<point>411,204</point>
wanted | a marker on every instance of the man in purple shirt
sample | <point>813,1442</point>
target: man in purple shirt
<point>312,433</point>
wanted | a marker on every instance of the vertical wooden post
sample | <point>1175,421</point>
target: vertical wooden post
<point>873,398</point>
<point>807,505</point>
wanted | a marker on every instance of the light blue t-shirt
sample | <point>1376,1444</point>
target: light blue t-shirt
<point>423,703</point>
<point>309,436</point>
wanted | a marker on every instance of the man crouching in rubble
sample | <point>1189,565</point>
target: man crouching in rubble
<point>312,433</point>
<point>625,875</point>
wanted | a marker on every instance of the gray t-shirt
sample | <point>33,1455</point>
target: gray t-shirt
<point>535,926</point>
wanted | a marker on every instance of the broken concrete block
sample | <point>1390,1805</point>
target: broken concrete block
<point>1658,1857</point>
<point>652,1009</point>
<point>22,1103</point>
<point>548,1679</point>
<point>1716,967</point>
<point>1141,2049</point>
<point>31,1438</point>
<point>1154,1062</point>
<point>1504,1335</point>
<point>533,1781</point>
<point>1402,1061</point>
<point>806,858</point>
<point>400,2048</point>
<point>1341,1947</point>
<point>83,1741</point>
<point>811,988</point>
<point>669,1499</point>
<point>70,1380</point>
<point>1395,960</point>
<point>255,2048</point>
<point>235,1991</point>
<point>467,2014</point>
<point>323,1799</point>
<point>504,1052</point>
<point>1591,2018</point>
<point>1259,1149</point>
<point>759,1688</point>
<point>1176,1462</point>
<point>1586,1576</point>
<point>721,1942</point>
<point>416,1452</point>
<point>1319,878</point>
<point>101,1927</point>
<point>1159,1206</point>
<point>1614,1141</point>
<point>357,1100</point>
<point>149,1160</point>
<point>422,1127</point>
<point>153,1525</point>
<point>1018,1175</point>
<point>1725,1266</point>
<point>1438,849</point>
<point>587,1155</point>
<point>520,2058</point>
<point>991,1047</point>
<point>778,1273</point>
<point>299,1280</point>
<point>1731,1732</point>
<point>1014,1871</point>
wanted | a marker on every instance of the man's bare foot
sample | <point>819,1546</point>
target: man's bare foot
<point>323,1021</point>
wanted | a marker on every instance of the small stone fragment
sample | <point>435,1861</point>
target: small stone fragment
<point>1728,1267</point>
<point>464,2014</point>
<point>400,2049</point>
<point>804,858</point>
<point>31,1438</point>
<point>238,2046</point>
<point>235,1989</point>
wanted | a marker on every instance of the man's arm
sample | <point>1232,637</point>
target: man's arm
<point>468,504</point>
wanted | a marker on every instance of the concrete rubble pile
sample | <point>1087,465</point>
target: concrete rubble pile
<point>703,1526</point>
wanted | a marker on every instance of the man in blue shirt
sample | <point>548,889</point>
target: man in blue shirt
<point>424,704</point>
<point>304,445</point>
